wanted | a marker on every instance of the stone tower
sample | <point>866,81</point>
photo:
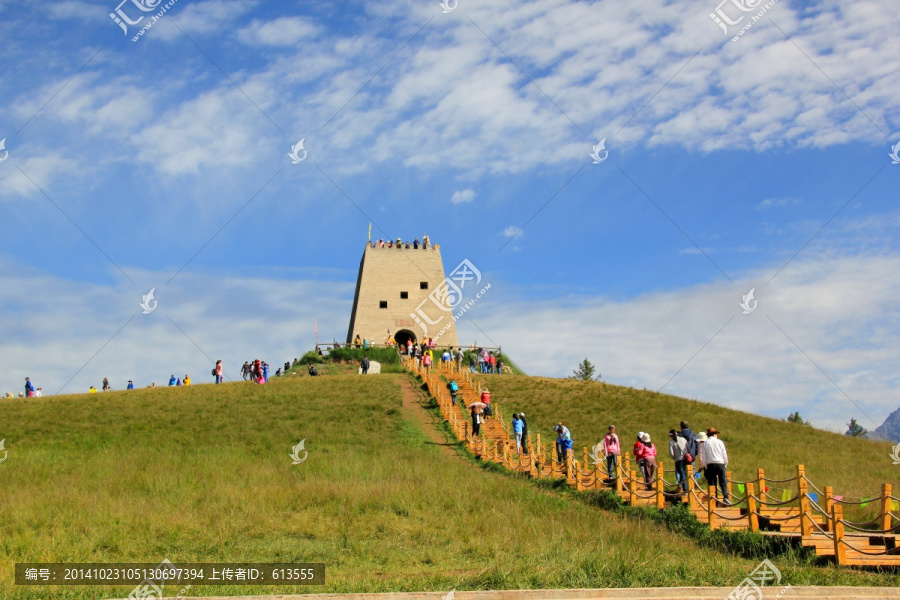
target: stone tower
<point>402,292</point>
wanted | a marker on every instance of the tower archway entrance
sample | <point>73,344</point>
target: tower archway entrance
<point>404,336</point>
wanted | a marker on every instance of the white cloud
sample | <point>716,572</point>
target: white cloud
<point>778,203</point>
<point>513,232</point>
<point>838,306</point>
<point>75,9</point>
<point>285,31</point>
<point>203,18</point>
<point>198,317</point>
<point>462,196</point>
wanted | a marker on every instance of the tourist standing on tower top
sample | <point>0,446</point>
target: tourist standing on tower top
<point>425,241</point>
<point>219,371</point>
<point>29,388</point>
<point>416,244</point>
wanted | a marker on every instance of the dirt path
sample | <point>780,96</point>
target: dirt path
<point>415,399</point>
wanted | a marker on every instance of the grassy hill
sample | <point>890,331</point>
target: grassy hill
<point>854,467</point>
<point>203,474</point>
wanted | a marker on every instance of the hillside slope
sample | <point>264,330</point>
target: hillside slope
<point>203,474</point>
<point>854,467</point>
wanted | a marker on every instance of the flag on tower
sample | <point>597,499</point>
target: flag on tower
<point>316,324</point>
<point>370,231</point>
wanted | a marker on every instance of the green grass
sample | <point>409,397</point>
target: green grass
<point>854,467</point>
<point>203,474</point>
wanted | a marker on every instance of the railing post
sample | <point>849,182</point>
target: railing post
<point>711,507</point>
<point>660,487</point>
<point>840,552</point>
<point>829,502</point>
<point>571,474</point>
<point>802,493</point>
<point>631,488</point>
<point>691,484</point>
<point>626,460</point>
<point>620,476</point>
<point>728,485</point>
<point>578,485</point>
<point>584,455</point>
<point>761,482</point>
<point>751,509</point>
<point>886,489</point>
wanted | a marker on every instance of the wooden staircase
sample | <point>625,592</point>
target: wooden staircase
<point>823,528</point>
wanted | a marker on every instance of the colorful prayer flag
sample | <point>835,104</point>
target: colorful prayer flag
<point>740,487</point>
<point>785,495</point>
<point>814,496</point>
<point>837,498</point>
<point>865,502</point>
<point>895,505</point>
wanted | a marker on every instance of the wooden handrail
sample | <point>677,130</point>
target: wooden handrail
<point>541,462</point>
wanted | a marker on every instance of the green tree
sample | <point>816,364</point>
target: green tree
<point>856,430</point>
<point>585,371</point>
<point>795,417</point>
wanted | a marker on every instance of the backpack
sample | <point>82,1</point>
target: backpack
<point>214,371</point>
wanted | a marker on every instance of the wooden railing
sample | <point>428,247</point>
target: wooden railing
<point>817,517</point>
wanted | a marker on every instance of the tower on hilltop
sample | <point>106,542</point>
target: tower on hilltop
<point>402,293</point>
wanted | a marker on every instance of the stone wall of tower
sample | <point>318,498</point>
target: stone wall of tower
<point>384,275</point>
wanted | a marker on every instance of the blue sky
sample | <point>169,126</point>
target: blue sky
<point>729,162</point>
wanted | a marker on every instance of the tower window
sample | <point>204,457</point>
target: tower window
<point>404,295</point>
<point>382,304</point>
<point>423,285</point>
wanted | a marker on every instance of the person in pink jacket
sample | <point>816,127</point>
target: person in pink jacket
<point>612,450</point>
<point>218,372</point>
<point>649,456</point>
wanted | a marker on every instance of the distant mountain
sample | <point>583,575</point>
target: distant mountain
<point>890,429</point>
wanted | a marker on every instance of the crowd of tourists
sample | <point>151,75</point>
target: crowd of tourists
<point>479,360</point>
<point>415,245</point>
<point>703,450</point>
<point>255,370</point>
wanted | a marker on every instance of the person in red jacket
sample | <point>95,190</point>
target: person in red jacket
<point>486,398</point>
<point>638,451</point>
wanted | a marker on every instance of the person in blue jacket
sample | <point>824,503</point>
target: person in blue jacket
<point>563,442</point>
<point>29,388</point>
<point>172,380</point>
<point>130,385</point>
<point>454,388</point>
<point>518,427</point>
